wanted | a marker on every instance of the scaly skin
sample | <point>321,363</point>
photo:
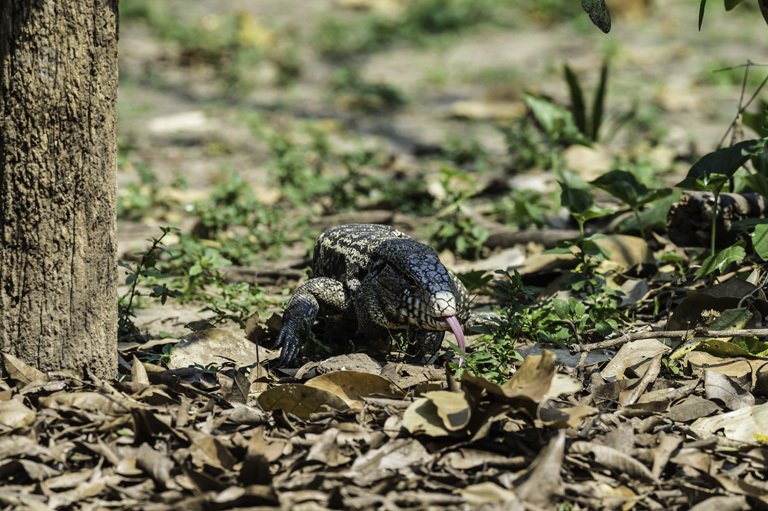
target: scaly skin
<point>383,281</point>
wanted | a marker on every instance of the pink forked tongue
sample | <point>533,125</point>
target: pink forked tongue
<point>456,329</point>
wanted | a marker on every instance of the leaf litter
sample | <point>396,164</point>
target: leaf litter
<point>623,438</point>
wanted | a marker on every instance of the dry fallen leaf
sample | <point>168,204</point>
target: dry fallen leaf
<point>353,386</point>
<point>740,425</point>
<point>300,400</point>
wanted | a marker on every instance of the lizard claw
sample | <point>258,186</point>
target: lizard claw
<point>289,341</point>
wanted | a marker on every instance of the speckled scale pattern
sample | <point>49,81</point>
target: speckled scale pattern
<point>380,279</point>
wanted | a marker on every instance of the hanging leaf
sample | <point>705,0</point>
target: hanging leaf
<point>701,12</point>
<point>713,170</point>
<point>763,8</point>
<point>624,186</point>
<point>599,14</point>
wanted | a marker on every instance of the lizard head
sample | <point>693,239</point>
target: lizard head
<point>424,293</point>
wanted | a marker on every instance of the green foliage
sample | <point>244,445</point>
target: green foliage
<point>729,5</point>
<point>145,270</point>
<point>232,43</point>
<point>588,124</point>
<point>454,228</point>
<point>599,301</point>
<point>343,39</point>
<point>312,173</point>
<point>715,169</point>
<point>234,222</point>
<point>579,203</point>
<point>524,208</point>
<point>590,313</point>
<point>624,186</point>
<point>528,148</point>
<point>719,261</point>
<point>366,96</point>
<point>189,272</point>
<point>136,200</point>
<point>760,240</point>
<point>557,122</point>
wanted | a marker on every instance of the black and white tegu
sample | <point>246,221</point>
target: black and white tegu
<point>382,281</point>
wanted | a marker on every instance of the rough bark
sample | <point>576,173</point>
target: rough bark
<point>58,164</point>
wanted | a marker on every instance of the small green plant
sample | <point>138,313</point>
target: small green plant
<point>624,186</point>
<point>714,170</point>
<point>201,276</point>
<point>237,224</point>
<point>359,94</point>
<point>557,126</point>
<point>524,208</point>
<point>341,38</point>
<point>454,228</point>
<point>588,125</point>
<point>730,5</point>
<point>145,270</point>
<point>232,43</point>
<point>579,203</point>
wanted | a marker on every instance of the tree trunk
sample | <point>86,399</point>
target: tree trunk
<point>58,186</point>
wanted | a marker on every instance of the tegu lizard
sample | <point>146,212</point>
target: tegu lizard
<point>382,281</point>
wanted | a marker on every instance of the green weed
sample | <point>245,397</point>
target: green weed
<point>145,271</point>
<point>454,228</point>
<point>339,38</point>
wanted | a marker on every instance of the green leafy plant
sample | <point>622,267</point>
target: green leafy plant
<point>588,124</point>
<point>454,228</point>
<point>145,270</point>
<point>714,170</point>
<point>730,5</point>
<point>580,204</point>
<point>234,222</point>
<point>339,38</point>
<point>624,186</point>
<point>524,208</point>
<point>367,96</point>
<point>201,276</point>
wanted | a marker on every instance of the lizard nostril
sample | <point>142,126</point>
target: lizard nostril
<point>443,304</point>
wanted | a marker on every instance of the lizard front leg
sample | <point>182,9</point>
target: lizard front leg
<point>319,295</point>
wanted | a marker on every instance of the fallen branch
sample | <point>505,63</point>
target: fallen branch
<point>669,334</point>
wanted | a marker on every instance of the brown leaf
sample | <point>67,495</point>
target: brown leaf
<point>724,389</point>
<point>21,372</point>
<point>613,459</point>
<point>422,418</point>
<point>481,494</point>
<point>541,480</point>
<point>300,400</point>
<point>215,453</point>
<point>156,465</point>
<point>393,456</point>
<point>353,386</point>
<point>633,393</point>
<point>741,425</point>
<point>138,372</point>
<point>14,414</point>
<point>723,503</point>
<point>663,451</point>
<point>452,408</point>
<point>566,417</point>
<point>325,449</point>
<point>692,408</point>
